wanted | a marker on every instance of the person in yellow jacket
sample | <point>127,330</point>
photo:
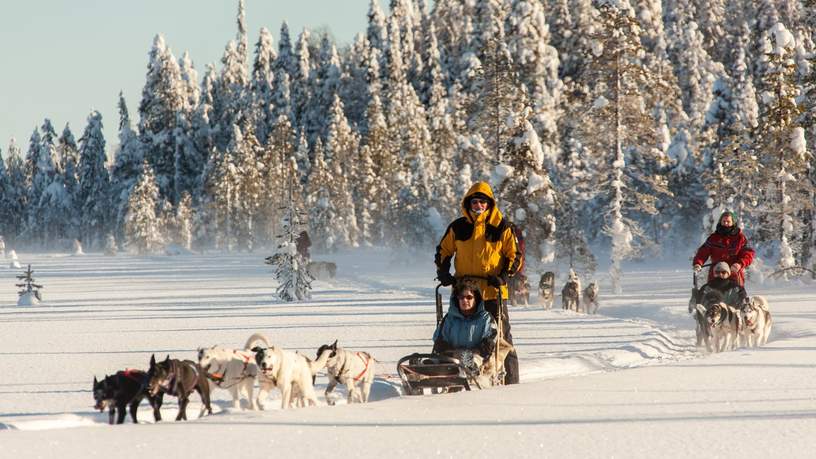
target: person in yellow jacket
<point>483,246</point>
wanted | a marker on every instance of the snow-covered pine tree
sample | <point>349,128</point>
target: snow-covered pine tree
<point>163,97</point>
<point>294,280</point>
<point>260,86</point>
<point>342,153</point>
<point>14,197</point>
<point>29,292</point>
<point>245,150</point>
<point>782,150</point>
<point>527,194</point>
<point>617,128</point>
<point>94,183</point>
<point>322,210</point>
<point>575,184</point>
<point>141,225</point>
<point>300,88</point>
<point>536,64</point>
<point>69,159</point>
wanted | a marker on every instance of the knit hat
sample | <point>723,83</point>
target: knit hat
<point>722,267</point>
<point>732,214</point>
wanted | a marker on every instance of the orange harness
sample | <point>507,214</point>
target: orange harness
<point>365,362</point>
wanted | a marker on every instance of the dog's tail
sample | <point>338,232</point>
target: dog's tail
<point>255,339</point>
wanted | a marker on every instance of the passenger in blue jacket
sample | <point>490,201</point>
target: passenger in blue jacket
<point>467,325</point>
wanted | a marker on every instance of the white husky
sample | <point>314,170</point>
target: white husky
<point>348,368</point>
<point>291,372</point>
<point>234,370</point>
<point>756,321</point>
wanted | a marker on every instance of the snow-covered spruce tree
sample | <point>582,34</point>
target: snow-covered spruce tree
<point>29,292</point>
<point>536,63</point>
<point>618,128</point>
<point>94,183</point>
<point>526,191</point>
<point>141,225</point>
<point>498,99</point>
<point>13,198</point>
<point>163,96</point>
<point>781,146</point>
<point>68,152</point>
<point>294,280</point>
<point>342,153</point>
<point>279,149</point>
<point>379,146</point>
<point>300,88</point>
<point>575,184</point>
<point>245,150</point>
<point>127,165</point>
<point>260,86</point>
<point>322,210</point>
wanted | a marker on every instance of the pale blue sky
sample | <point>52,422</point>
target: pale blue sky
<point>63,58</point>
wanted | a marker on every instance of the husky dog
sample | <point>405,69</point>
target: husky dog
<point>124,388</point>
<point>235,370</point>
<point>546,289</point>
<point>322,270</point>
<point>179,378</point>
<point>519,290</point>
<point>723,322</point>
<point>348,368</point>
<point>756,321</point>
<point>489,372</point>
<point>291,372</point>
<point>591,298</point>
<point>571,293</point>
<point>697,308</point>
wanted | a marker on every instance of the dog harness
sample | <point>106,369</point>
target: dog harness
<point>366,361</point>
<point>219,378</point>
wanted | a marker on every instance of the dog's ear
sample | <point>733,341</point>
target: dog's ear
<point>256,349</point>
<point>152,360</point>
<point>95,381</point>
<point>167,359</point>
<point>334,345</point>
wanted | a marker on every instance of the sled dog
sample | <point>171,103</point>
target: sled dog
<point>235,370</point>
<point>723,322</point>
<point>291,372</point>
<point>570,295</point>
<point>519,290</point>
<point>348,368</point>
<point>546,289</point>
<point>756,322</point>
<point>125,388</point>
<point>179,378</point>
<point>591,298</point>
<point>322,270</point>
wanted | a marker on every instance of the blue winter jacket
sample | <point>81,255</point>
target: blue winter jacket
<point>462,332</point>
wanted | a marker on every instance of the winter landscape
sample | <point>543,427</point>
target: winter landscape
<point>615,135</point>
<point>627,382</point>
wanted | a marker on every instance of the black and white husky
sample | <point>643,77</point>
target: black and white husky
<point>756,321</point>
<point>546,289</point>
<point>235,370</point>
<point>723,323</point>
<point>348,368</point>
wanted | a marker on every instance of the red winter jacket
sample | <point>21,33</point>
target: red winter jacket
<point>728,248</point>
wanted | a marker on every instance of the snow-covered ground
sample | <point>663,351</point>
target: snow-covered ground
<point>100,314</point>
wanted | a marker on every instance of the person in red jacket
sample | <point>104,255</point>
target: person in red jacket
<point>727,244</point>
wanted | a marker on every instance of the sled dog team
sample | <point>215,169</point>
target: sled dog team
<point>570,294</point>
<point>722,327</point>
<point>237,371</point>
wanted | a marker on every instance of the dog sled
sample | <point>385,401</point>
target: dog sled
<point>454,371</point>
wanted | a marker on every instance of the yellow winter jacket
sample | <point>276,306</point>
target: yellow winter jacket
<point>484,245</point>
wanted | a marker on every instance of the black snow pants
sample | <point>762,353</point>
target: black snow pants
<point>511,366</point>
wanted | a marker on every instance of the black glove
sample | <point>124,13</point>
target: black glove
<point>486,347</point>
<point>445,278</point>
<point>441,346</point>
<point>495,281</point>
